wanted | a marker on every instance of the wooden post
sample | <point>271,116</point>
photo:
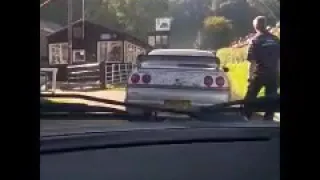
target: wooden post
<point>103,74</point>
<point>70,12</point>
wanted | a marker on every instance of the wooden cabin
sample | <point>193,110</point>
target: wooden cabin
<point>46,28</point>
<point>92,43</point>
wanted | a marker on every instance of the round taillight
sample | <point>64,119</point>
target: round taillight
<point>220,81</point>
<point>146,78</point>
<point>208,81</point>
<point>135,78</point>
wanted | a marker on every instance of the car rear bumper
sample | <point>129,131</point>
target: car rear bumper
<point>157,96</point>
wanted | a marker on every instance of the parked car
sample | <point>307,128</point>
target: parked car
<point>183,79</point>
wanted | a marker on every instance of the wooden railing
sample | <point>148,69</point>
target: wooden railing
<point>97,75</point>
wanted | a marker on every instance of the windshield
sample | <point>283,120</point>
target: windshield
<point>92,48</point>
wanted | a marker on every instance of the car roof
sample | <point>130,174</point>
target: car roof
<point>182,52</point>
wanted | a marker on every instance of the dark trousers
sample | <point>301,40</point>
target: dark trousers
<point>255,85</point>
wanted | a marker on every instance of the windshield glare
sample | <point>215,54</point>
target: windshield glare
<point>92,49</point>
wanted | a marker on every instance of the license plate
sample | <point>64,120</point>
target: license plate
<point>177,104</point>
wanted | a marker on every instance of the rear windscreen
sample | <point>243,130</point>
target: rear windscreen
<point>179,62</point>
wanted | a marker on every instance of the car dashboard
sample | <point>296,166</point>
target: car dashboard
<point>163,151</point>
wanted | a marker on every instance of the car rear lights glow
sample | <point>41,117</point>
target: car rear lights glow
<point>146,78</point>
<point>220,81</point>
<point>135,78</point>
<point>208,81</point>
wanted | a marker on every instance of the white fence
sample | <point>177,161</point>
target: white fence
<point>118,73</point>
<point>86,76</point>
<point>45,80</point>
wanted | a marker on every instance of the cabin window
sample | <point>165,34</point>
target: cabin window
<point>114,51</point>
<point>164,40</point>
<point>131,51</point>
<point>79,55</point>
<point>158,40</point>
<point>127,52</point>
<point>138,51</point>
<point>151,40</point>
<point>58,53</point>
<point>135,54</point>
<point>105,36</point>
<point>110,51</point>
<point>102,51</point>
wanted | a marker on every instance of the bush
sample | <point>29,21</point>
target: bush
<point>217,31</point>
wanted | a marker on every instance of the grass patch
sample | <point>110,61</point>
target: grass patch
<point>238,76</point>
<point>120,87</point>
<point>234,59</point>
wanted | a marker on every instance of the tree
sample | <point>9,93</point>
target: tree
<point>55,11</point>
<point>103,12</point>
<point>133,16</point>
<point>269,8</point>
<point>241,14</point>
<point>137,17</point>
<point>217,32</point>
<point>187,16</point>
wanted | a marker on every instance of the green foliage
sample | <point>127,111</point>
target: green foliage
<point>232,55</point>
<point>102,12</point>
<point>187,21</point>
<point>55,11</point>
<point>133,16</point>
<point>270,8</point>
<point>238,72</point>
<point>138,16</point>
<point>240,13</point>
<point>217,32</point>
<point>217,23</point>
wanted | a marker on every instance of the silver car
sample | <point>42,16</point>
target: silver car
<point>183,79</point>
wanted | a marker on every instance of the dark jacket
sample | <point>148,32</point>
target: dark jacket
<point>264,51</point>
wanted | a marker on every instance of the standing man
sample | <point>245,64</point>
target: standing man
<point>264,55</point>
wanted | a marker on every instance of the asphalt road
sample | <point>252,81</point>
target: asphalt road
<point>49,127</point>
<point>117,95</point>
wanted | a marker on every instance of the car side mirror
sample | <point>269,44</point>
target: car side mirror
<point>225,69</point>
